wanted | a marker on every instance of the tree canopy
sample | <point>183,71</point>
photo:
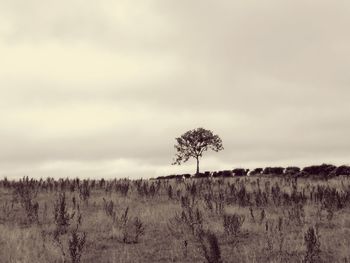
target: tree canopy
<point>193,143</point>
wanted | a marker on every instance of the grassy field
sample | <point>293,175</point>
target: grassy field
<point>246,219</point>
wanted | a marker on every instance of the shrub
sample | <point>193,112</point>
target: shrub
<point>292,170</point>
<point>256,171</point>
<point>219,201</point>
<point>200,175</point>
<point>240,172</point>
<point>208,201</point>
<point>186,176</point>
<point>6,213</point>
<point>76,245</point>
<point>226,173</point>
<point>323,170</point>
<point>170,192</point>
<point>124,219</point>
<point>71,246</point>
<point>61,216</point>
<point>312,243</point>
<point>273,170</point>
<point>296,214</point>
<point>84,191</point>
<point>132,229</point>
<point>139,229</point>
<point>210,247</point>
<point>251,211</point>
<point>26,192</point>
<point>109,209</point>
<point>187,222</point>
<point>342,170</point>
<point>262,216</point>
<point>233,224</point>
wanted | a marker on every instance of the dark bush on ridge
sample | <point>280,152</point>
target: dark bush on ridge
<point>226,173</point>
<point>341,170</point>
<point>174,176</point>
<point>273,170</point>
<point>256,171</point>
<point>319,170</point>
<point>216,174</point>
<point>200,175</point>
<point>240,172</point>
<point>186,176</point>
<point>292,170</point>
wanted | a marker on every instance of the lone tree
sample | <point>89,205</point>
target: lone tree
<point>193,143</point>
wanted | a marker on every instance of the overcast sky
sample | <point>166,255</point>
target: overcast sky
<point>102,88</point>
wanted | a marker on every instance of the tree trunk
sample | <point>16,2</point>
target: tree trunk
<point>197,165</point>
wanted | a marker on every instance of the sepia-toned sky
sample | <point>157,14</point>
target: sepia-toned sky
<point>102,88</point>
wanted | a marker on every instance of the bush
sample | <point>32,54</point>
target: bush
<point>312,243</point>
<point>84,191</point>
<point>256,171</point>
<point>139,229</point>
<point>200,175</point>
<point>323,170</point>
<point>76,244</point>
<point>342,170</point>
<point>226,173</point>
<point>26,192</point>
<point>240,172</point>
<point>233,224</point>
<point>132,229</point>
<point>109,209</point>
<point>210,247</point>
<point>292,170</point>
<point>273,170</point>
<point>61,216</point>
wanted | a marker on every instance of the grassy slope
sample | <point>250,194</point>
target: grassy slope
<point>33,243</point>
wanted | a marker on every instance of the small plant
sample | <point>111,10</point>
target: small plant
<point>233,224</point>
<point>72,241</point>
<point>6,212</point>
<point>76,244</point>
<point>188,227</point>
<point>61,216</point>
<point>210,247</point>
<point>139,229</point>
<point>170,192</point>
<point>330,206</point>
<point>296,214</point>
<point>312,243</point>
<point>281,234</point>
<point>208,202</point>
<point>44,213</point>
<point>269,237</point>
<point>185,245</point>
<point>131,229</point>
<point>26,193</point>
<point>262,216</point>
<point>124,219</point>
<point>219,203</point>
<point>192,218</point>
<point>109,209</point>
<point>84,191</point>
<point>251,211</point>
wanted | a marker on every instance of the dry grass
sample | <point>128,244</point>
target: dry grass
<point>276,237</point>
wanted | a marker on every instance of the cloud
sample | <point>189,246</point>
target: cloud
<point>104,88</point>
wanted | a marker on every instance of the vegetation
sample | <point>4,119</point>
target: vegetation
<point>193,143</point>
<point>260,218</point>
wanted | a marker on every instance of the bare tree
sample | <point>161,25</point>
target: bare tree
<point>193,143</point>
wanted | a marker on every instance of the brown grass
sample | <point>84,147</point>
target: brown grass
<point>278,238</point>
